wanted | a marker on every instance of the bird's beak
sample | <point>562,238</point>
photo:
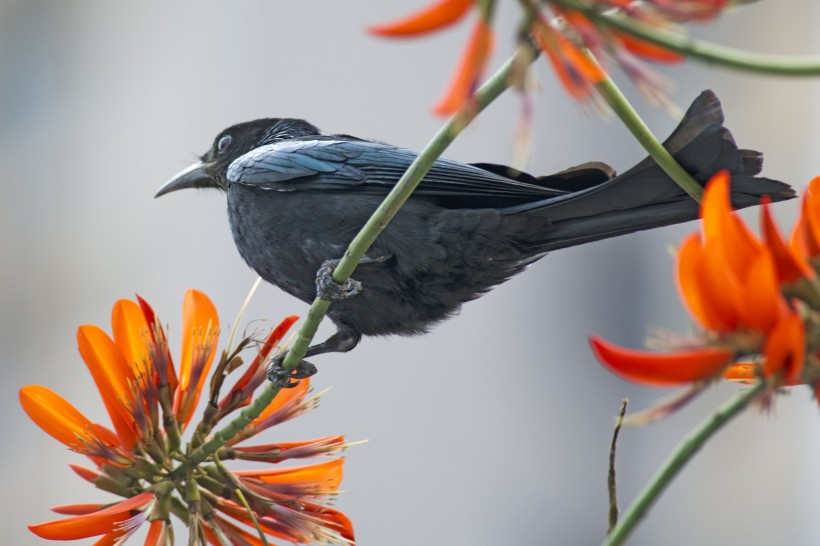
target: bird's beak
<point>196,176</point>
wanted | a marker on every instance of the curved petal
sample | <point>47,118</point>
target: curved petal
<point>469,70</point>
<point>790,267</point>
<point>77,509</point>
<point>696,283</point>
<point>131,333</point>
<point>434,17</point>
<point>334,519</point>
<point>785,350</point>
<point>112,375</point>
<point>97,523</point>
<point>576,72</point>
<point>55,415</point>
<point>722,226</point>
<point>327,475</point>
<point>200,327</point>
<point>284,397</point>
<point>164,364</point>
<point>662,369</point>
<point>760,307</point>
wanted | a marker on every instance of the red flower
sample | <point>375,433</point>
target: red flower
<point>149,406</point>
<point>562,43</point>
<point>756,299</point>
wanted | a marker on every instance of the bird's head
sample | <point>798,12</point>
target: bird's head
<point>235,141</point>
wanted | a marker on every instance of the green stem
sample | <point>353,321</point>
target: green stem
<point>624,110</point>
<point>679,458</point>
<point>778,65</point>
<point>490,91</point>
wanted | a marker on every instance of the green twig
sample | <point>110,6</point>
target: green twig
<point>490,91</point>
<point>777,65</point>
<point>624,110</point>
<point>244,502</point>
<point>679,458</point>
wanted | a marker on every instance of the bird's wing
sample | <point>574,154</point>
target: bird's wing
<point>371,167</point>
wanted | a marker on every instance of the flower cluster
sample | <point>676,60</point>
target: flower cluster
<point>756,299</point>
<point>563,30</point>
<point>145,460</point>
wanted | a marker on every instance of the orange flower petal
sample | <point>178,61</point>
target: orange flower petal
<point>789,265</point>
<point>200,325</point>
<point>742,372</point>
<point>469,70</point>
<point>434,17</point>
<point>109,539</point>
<point>97,523</point>
<point>85,473</point>
<point>327,475</point>
<point>285,396</point>
<point>662,369</point>
<point>697,283</point>
<point>785,349</point>
<point>131,332</point>
<point>76,509</point>
<point>721,225</point>
<point>648,50</point>
<point>111,374</point>
<point>55,415</point>
<point>761,294</point>
<point>156,331</point>
<point>157,534</point>
<point>576,72</point>
<point>334,519</point>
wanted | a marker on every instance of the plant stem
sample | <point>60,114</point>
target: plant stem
<point>624,110</point>
<point>679,458</point>
<point>488,92</point>
<point>778,65</point>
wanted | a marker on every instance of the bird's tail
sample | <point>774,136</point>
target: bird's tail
<point>645,197</point>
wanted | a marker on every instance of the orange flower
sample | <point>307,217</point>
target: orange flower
<point>757,299</point>
<point>150,407</point>
<point>562,42</point>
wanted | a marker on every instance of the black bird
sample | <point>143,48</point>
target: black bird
<point>296,198</point>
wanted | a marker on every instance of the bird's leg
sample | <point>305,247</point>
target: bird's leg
<point>342,341</point>
<point>329,290</point>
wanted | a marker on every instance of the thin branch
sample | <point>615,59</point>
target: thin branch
<point>611,483</point>
<point>684,453</point>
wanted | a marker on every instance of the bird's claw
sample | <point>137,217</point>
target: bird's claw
<point>287,379</point>
<point>328,289</point>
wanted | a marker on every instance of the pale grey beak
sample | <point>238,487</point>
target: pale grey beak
<point>195,176</point>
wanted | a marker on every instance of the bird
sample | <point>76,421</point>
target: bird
<point>297,197</point>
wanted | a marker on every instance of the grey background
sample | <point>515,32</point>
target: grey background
<point>495,428</point>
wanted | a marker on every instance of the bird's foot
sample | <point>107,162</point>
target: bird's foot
<point>287,379</point>
<point>328,289</point>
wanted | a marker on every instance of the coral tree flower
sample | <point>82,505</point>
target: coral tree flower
<point>144,459</point>
<point>562,34</point>
<point>756,298</point>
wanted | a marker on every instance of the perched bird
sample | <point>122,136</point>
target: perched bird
<point>296,198</point>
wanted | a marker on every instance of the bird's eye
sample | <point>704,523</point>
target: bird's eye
<point>223,143</point>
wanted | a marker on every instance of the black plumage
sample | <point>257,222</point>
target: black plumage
<point>296,198</point>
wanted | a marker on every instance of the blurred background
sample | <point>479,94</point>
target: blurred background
<point>493,429</point>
